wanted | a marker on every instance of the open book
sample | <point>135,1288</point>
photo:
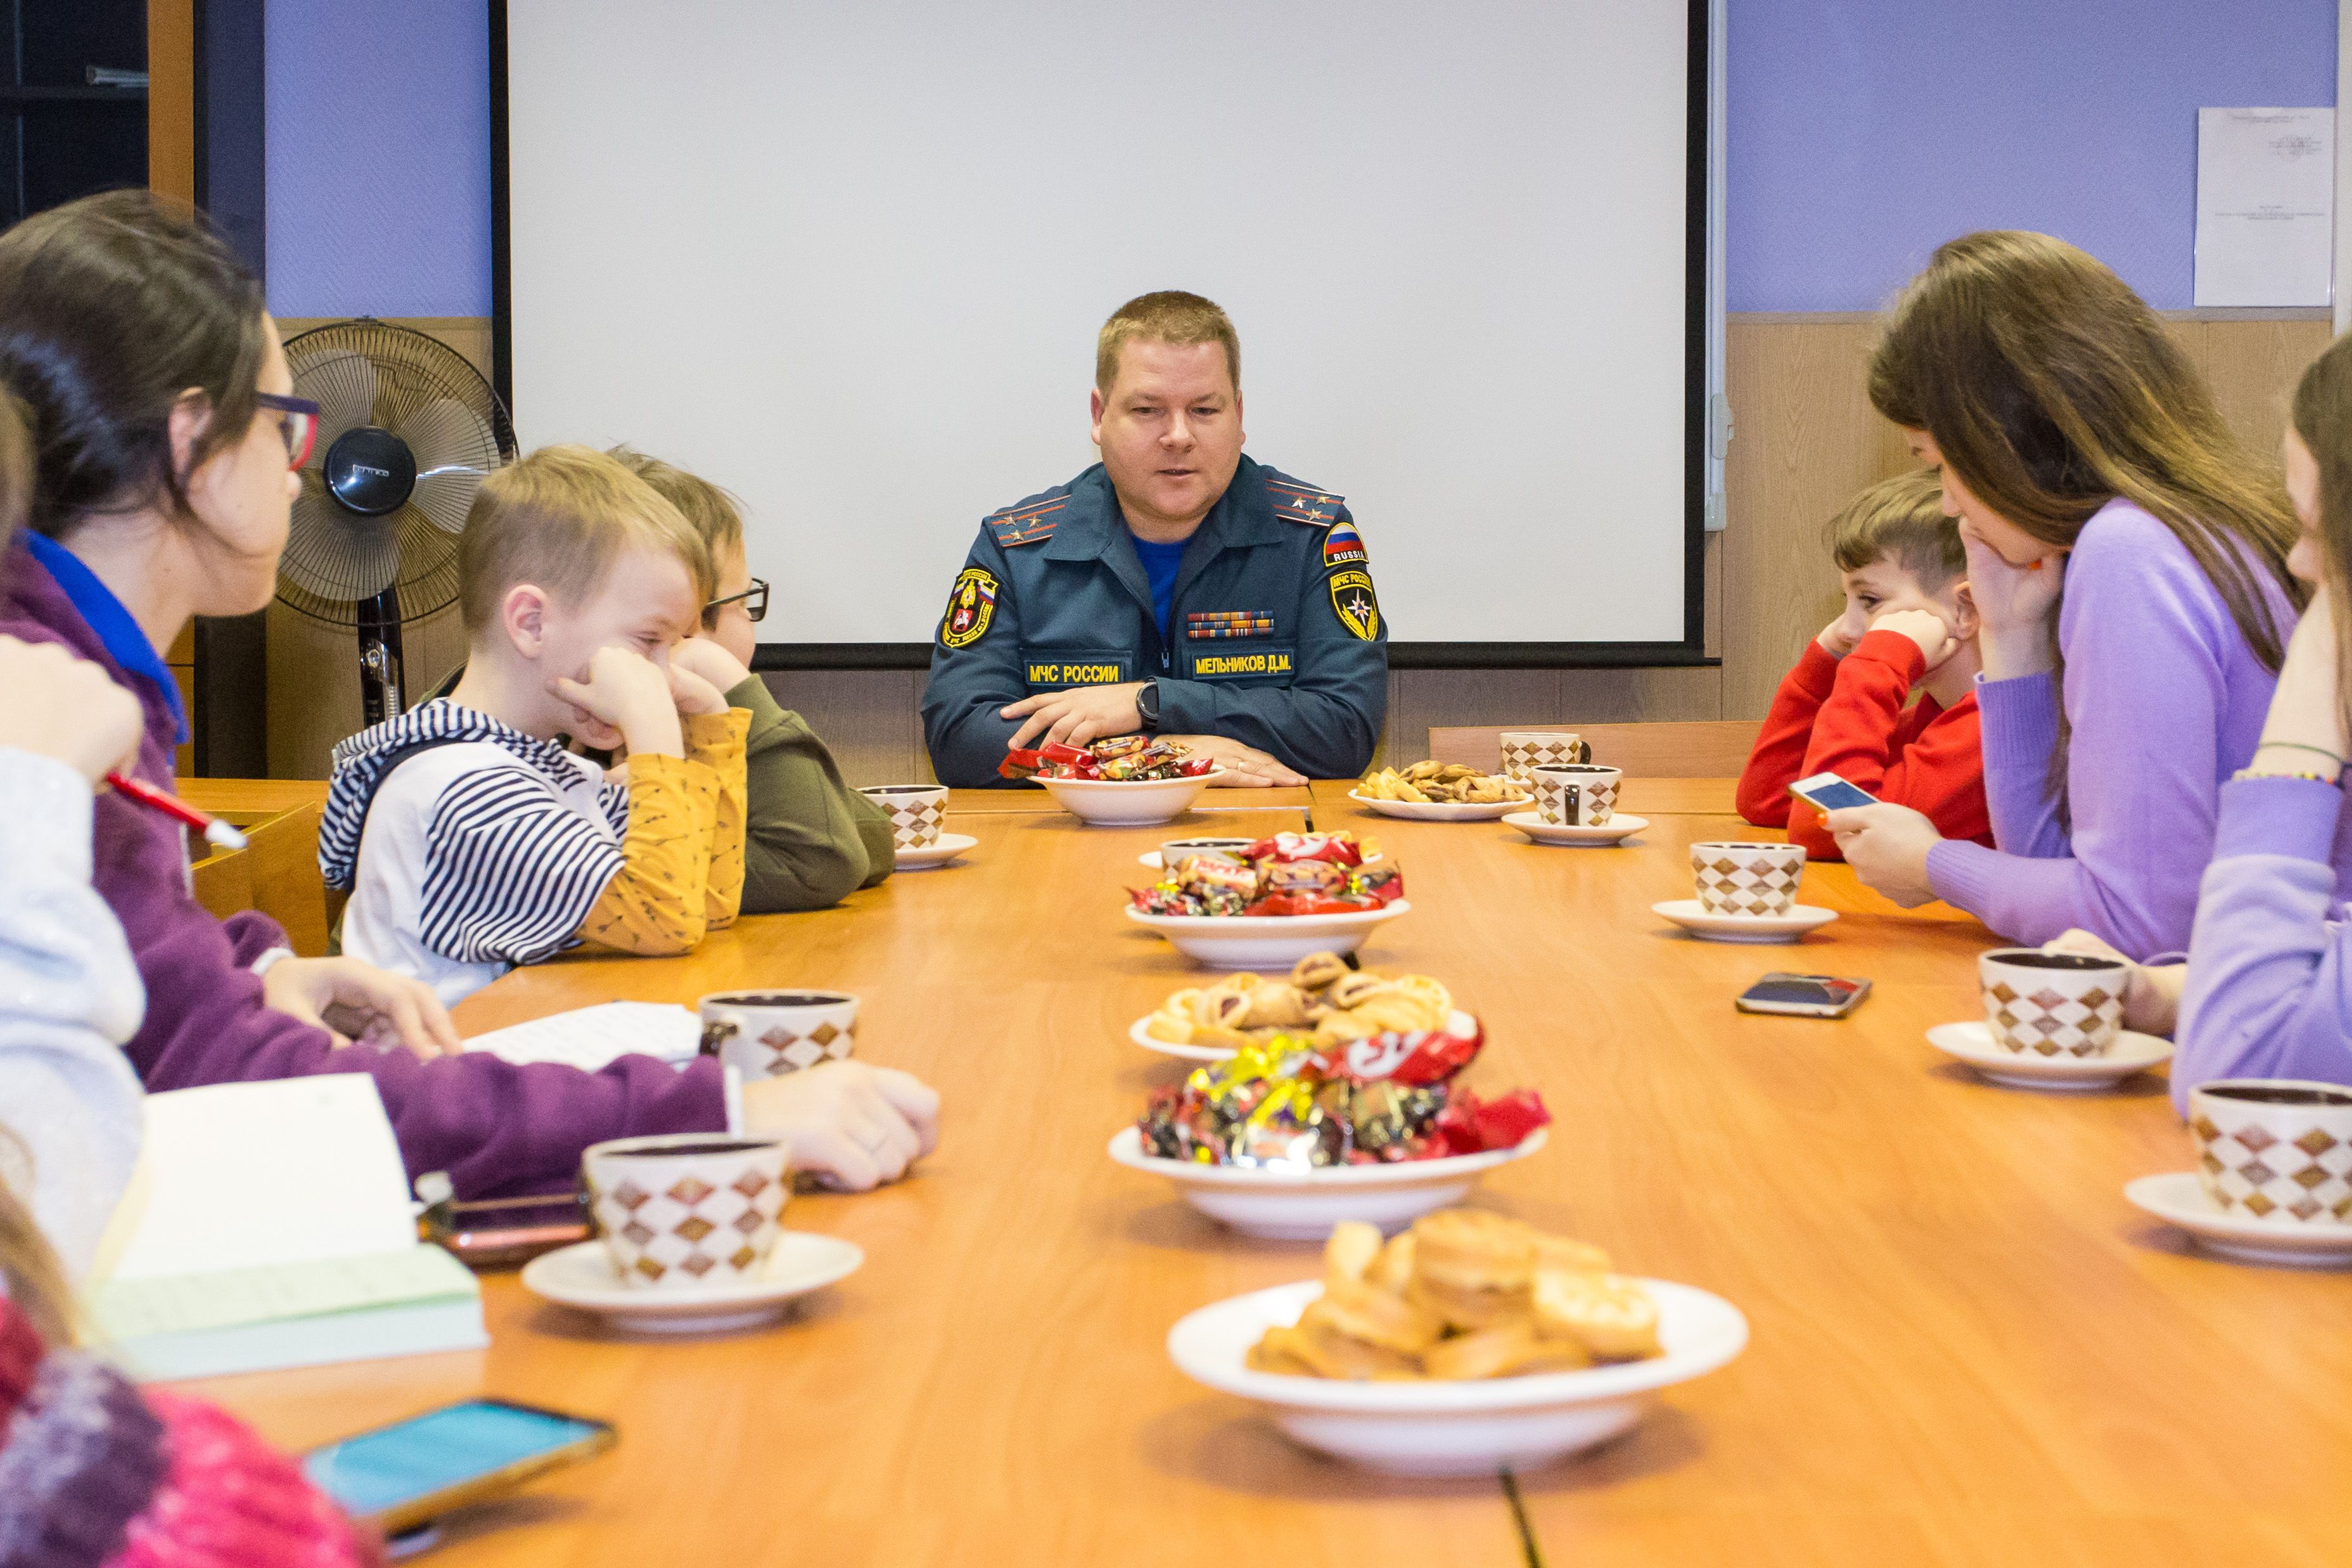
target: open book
<point>268,1224</point>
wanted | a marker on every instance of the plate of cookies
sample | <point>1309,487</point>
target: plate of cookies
<point>1470,1343</point>
<point>1320,997</point>
<point>1441,792</point>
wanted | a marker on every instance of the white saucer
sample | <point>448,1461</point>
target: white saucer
<point>936,854</point>
<point>1616,829</point>
<point>1694,918</point>
<point>1972,1043</point>
<point>1137,1032</point>
<point>1438,810</point>
<point>2179,1198</point>
<point>582,1275</point>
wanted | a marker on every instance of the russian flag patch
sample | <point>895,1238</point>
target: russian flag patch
<point>1342,544</point>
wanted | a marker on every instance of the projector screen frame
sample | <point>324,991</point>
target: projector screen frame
<point>1702,394</point>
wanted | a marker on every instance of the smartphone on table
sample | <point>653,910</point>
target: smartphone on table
<point>408,1474</point>
<point>1828,792</point>
<point>1803,995</point>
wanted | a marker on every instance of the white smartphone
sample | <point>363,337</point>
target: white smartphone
<point>1803,995</point>
<point>1828,792</point>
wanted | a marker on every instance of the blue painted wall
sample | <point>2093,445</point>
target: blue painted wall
<point>1863,132</point>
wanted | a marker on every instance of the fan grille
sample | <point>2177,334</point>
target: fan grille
<point>372,372</point>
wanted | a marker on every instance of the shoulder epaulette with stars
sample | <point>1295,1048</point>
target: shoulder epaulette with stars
<point>1030,521</point>
<point>1301,503</point>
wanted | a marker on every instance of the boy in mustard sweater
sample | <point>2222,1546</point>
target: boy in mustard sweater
<point>470,839</point>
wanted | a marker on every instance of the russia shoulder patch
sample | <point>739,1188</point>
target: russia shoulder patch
<point>1342,545</point>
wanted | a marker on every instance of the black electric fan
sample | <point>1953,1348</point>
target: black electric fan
<point>408,430</point>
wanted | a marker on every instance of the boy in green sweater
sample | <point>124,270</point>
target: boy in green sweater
<point>809,839</point>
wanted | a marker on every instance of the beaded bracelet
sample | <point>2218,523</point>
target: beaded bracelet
<point>2333,783</point>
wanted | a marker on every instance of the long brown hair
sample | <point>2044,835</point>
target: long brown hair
<point>2321,416</point>
<point>2051,389</point>
<point>29,1269</point>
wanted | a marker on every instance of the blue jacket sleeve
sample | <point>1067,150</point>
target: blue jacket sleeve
<point>968,684</point>
<point>1327,722</point>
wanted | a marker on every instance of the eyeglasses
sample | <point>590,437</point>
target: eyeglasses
<point>754,599</point>
<point>297,423</point>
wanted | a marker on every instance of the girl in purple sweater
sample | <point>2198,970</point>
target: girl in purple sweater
<point>2270,966</point>
<point>2128,559</point>
<point>164,437</point>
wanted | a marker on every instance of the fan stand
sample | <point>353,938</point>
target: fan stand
<point>380,683</point>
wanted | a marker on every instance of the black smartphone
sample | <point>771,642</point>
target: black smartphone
<point>414,1471</point>
<point>1804,995</point>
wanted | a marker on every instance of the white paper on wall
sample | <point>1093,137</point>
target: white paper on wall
<point>2265,206</point>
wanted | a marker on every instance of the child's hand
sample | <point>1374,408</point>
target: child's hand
<point>1838,638</point>
<point>692,693</point>
<point>57,706</point>
<point>359,1004</point>
<point>711,661</point>
<point>625,700</point>
<point>1887,846</point>
<point>2151,994</point>
<point>858,1126</point>
<point>1927,631</point>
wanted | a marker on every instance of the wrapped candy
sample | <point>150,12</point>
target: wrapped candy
<point>1415,1057</point>
<point>1339,849</point>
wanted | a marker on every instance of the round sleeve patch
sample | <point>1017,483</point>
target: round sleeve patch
<point>970,606</point>
<point>1353,600</point>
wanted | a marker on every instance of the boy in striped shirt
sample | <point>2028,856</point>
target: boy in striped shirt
<point>470,838</point>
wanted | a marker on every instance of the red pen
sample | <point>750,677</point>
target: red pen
<point>216,831</point>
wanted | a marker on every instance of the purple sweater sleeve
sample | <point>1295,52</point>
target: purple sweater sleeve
<point>2270,983</point>
<point>2149,649</point>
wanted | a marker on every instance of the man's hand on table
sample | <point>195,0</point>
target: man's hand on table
<point>1244,766</point>
<point>858,1126</point>
<point>1074,717</point>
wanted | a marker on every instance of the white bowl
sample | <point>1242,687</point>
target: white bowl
<point>1303,1205</point>
<point>1126,802</point>
<point>1471,1429</point>
<point>1441,811</point>
<point>1265,941</point>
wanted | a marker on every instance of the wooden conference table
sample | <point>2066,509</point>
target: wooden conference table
<point>1967,1347</point>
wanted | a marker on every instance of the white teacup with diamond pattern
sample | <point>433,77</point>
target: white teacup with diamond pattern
<point>1575,794</point>
<point>683,1211</point>
<point>766,1034</point>
<point>1755,880</point>
<point>1525,750</point>
<point>2274,1149</point>
<point>2054,1006</point>
<point>918,812</point>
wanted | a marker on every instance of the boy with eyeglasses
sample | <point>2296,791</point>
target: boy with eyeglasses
<point>809,839</point>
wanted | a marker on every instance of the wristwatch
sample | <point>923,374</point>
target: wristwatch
<point>1147,704</point>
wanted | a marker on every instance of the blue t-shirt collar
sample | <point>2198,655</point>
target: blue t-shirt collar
<point>117,631</point>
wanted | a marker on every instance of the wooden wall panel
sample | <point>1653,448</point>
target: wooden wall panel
<point>1805,439</point>
<point>172,98</point>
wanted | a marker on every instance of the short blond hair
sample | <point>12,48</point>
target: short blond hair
<point>716,514</point>
<point>1902,520</point>
<point>560,518</point>
<point>1171,317</point>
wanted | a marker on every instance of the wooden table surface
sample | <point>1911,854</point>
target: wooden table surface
<point>1967,1347</point>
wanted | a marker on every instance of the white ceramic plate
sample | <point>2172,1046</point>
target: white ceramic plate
<point>582,1275</point>
<point>1695,917</point>
<point>1265,941</point>
<point>1127,803</point>
<point>936,854</point>
<point>2179,1198</point>
<point>1620,827</point>
<point>1151,858</point>
<point>1137,1032</point>
<point>1303,1205</point>
<point>1453,1428</point>
<point>1972,1042</point>
<point>1439,810</point>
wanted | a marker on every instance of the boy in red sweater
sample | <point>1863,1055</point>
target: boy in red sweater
<point>1909,624</point>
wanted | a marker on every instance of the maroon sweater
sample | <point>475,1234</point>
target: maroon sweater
<point>497,1128</point>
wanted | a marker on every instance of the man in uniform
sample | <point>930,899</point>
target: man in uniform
<point>1176,588</point>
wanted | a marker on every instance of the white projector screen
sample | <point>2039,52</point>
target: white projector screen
<point>849,261</point>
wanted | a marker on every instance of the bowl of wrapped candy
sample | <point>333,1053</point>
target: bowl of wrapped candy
<point>1278,902</point>
<point>1128,781</point>
<point>1289,1138</point>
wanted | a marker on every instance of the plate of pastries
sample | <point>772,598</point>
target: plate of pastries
<point>1320,997</point>
<point>1441,792</point>
<point>1470,1342</point>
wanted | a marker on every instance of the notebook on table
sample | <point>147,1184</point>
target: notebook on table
<point>270,1225</point>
